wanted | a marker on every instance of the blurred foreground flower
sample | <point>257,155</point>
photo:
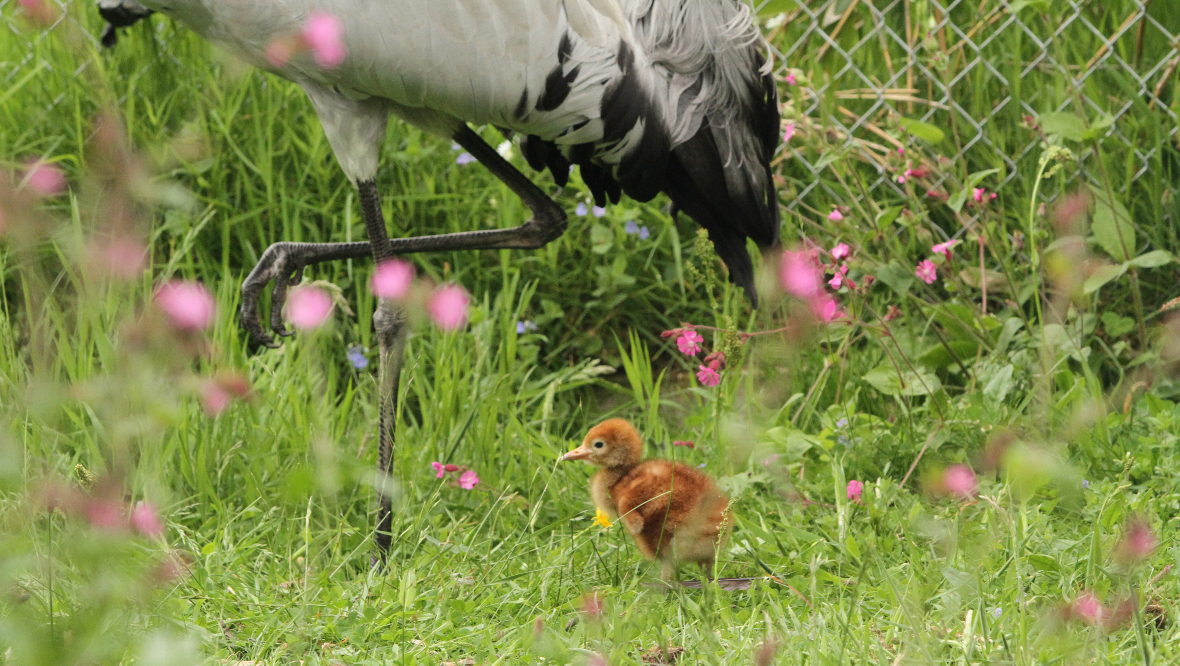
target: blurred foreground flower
<point>945,248</point>
<point>602,519</point>
<point>684,443</point>
<point>324,36</point>
<point>45,179</point>
<point>392,279</point>
<point>1136,544</point>
<point>799,275</point>
<point>188,305</point>
<point>836,215</point>
<point>448,307</point>
<point>146,521</point>
<point>959,480</point>
<point>308,307</point>
<point>218,393</point>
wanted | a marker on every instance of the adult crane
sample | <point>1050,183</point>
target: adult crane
<point>644,96</point>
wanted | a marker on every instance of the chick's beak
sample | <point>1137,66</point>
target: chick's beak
<point>579,453</point>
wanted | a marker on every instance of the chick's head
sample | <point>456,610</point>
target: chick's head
<point>613,443</point>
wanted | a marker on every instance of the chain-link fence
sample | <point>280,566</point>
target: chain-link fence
<point>983,72</point>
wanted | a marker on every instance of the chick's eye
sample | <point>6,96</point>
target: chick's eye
<point>599,444</point>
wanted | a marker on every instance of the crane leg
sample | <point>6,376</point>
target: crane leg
<point>283,264</point>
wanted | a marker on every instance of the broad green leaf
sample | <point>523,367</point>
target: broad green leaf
<point>1112,226</point>
<point>896,276</point>
<point>1153,259</point>
<point>1000,384</point>
<point>938,356</point>
<point>924,131</point>
<point>1016,5</point>
<point>1098,128</point>
<point>886,379</point>
<point>888,215</point>
<point>960,199</point>
<point>1102,275</point>
<point>996,281</point>
<point>776,7</point>
<point>1116,326</point>
<point>1064,125</point>
<point>601,239</point>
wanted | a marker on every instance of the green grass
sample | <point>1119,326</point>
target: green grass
<point>271,502</point>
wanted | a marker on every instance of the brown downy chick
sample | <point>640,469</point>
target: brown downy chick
<point>674,512</point>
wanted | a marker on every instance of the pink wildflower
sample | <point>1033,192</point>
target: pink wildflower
<point>468,480</point>
<point>439,469</point>
<point>841,251</point>
<point>214,398</point>
<point>959,480</point>
<point>945,248</point>
<point>799,275</point>
<point>1087,608</point>
<point>45,179</point>
<point>791,78</point>
<point>684,443</point>
<point>323,33</point>
<point>790,132</point>
<point>927,272</point>
<point>689,342</point>
<point>448,307</point>
<point>146,521</point>
<point>855,488</point>
<point>308,307</point>
<point>708,375</point>
<point>392,279</point>
<point>188,305</point>
<point>122,258</point>
<point>826,308</point>
<point>835,215</point>
<point>450,468</point>
<point>1137,542</point>
<point>105,514</point>
<point>901,150</point>
<point>977,194</point>
<point>901,180</point>
<point>837,281</point>
<point>279,52</point>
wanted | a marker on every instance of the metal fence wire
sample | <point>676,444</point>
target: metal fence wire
<point>974,68</point>
<point>982,71</point>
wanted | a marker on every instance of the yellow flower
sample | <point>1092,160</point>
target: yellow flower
<point>601,518</point>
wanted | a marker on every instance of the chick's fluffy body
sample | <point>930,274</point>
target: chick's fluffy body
<point>675,513</point>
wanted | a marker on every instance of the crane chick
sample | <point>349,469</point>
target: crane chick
<point>675,513</point>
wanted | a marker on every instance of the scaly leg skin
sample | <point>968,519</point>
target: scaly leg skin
<point>283,263</point>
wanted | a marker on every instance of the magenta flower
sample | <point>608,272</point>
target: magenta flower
<point>45,179</point>
<point>451,468</point>
<point>392,279</point>
<point>790,78</point>
<point>689,342</point>
<point>468,480</point>
<point>901,180</point>
<point>439,469</point>
<point>959,480</point>
<point>799,275</point>
<point>837,280</point>
<point>855,488</point>
<point>146,521</point>
<point>188,305</point>
<point>927,272</point>
<point>977,194</point>
<point>945,248</point>
<point>1087,608</point>
<point>105,514</point>
<point>684,443</point>
<point>841,251</point>
<point>835,215</point>
<point>1137,542</point>
<point>323,34</point>
<point>901,150</point>
<point>448,307</point>
<point>308,307</point>
<point>789,133</point>
<point>708,375</point>
<point>826,308</point>
<point>122,258</point>
<point>214,398</point>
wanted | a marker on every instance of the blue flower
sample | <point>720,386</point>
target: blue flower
<point>580,211</point>
<point>464,158</point>
<point>631,228</point>
<point>643,233</point>
<point>456,147</point>
<point>599,211</point>
<point>356,356</point>
<point>842,423</point>
<point>1085,483</point>
<point>523,327</point>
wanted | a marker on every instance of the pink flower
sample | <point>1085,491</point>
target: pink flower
<point>901,180</point>
<point>448,307</point>
<point>439,469</point>
<point>838,280</point>
<point>927,272</point>
<point>945,249</point>
<point>959,480</point>
<point>789,133</point>
<point>841,251</point>
<point>826,308</point>
<point>146,521</point>
<point>468,480</point>
<point>708,375</point>
<point>122,258</point>
<point>45,179</point>
<point>790,78</point>
<point>450,468</point>
<point>279,52</point>
<point>977,194</point>
<point>188,305</point>
<point>308,307</point>
<point>392,279</point>
<point>835,215</point>
<point>1087,608</point>
<point>689,343</point>
<point>1137,542</point>
<point>855,488</point>
<point>105,514</point>
<point>684,443</point>
<point>799,275</point>
<point>901,150</point>
<point>214,398</point>
<point>323,33</point>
